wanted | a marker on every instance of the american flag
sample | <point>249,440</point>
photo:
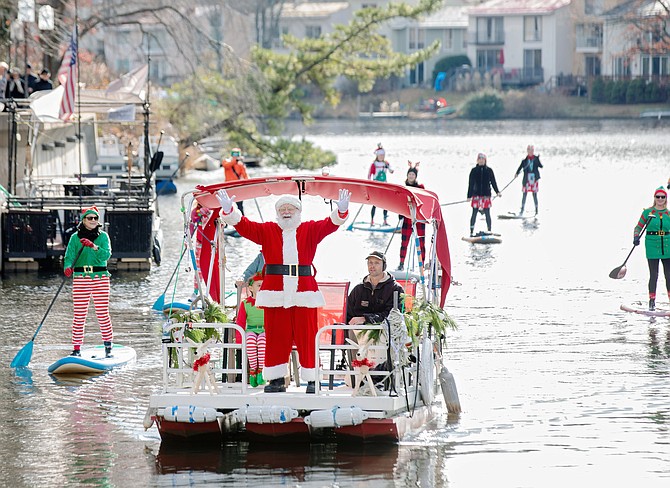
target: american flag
<point>67,76</point>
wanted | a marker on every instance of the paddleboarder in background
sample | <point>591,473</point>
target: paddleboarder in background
<point>656,241</point>
<point>412,174</point>
<point>377,172</point>
<point>91,278</point>
<point>530,166</point>
<point>234,169</point>
<point>482,179</point>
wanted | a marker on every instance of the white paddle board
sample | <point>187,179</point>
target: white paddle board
<point>643,309</point>
<point>93,360</point>
<point>230,231</point>
<point>484,239</point>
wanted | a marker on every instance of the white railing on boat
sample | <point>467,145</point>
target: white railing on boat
<point>179,377</point>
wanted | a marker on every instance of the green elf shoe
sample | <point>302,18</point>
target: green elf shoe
<point>259,378</point>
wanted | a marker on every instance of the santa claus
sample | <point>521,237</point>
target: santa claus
<point>289,295</point>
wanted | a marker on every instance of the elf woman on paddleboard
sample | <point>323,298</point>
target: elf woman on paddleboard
<point>479,191</point>
<point>656,241</point>
<point>86,257</point>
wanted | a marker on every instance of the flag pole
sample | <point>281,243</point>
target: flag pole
<point>76,40</point>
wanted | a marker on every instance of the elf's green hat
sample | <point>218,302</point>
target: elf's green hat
<point>90,210</point>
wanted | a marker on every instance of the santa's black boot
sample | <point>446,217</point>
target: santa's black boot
<point>275,386</point>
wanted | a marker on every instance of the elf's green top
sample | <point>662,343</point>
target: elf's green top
<point>657,235</point>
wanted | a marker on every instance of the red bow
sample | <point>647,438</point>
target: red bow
<point>362,362</point>
<point>200,362</point>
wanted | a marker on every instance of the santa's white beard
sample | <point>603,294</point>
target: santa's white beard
<point>289,223</point>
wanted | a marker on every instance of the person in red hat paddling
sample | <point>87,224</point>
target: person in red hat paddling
<point>530,166</point>
<point>91,278</point>
<point>289,294</point>
<point>656,241</point>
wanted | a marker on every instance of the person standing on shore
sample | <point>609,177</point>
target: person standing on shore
<point>530,166</point>
<point>656,241</point>
<point>377,172</point>
<point>481,180</point>
<point>91,278</point>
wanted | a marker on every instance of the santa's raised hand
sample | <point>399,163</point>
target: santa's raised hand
<point>343,202</point>
<point>225,201</point>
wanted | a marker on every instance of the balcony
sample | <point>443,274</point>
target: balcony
<point>486,39</point>
<point>589,44</point>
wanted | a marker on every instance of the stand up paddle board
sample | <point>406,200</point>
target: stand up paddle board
<point>93,360</point>
<point>643,309</point>
<point>484,239</point>
<point>374,228</point>
<point>511,215</point>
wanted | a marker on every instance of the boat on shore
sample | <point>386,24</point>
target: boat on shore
<point>396,400</point>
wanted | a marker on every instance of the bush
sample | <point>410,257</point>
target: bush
<point>619,92</point>
<point>635,92</point>
<point>598,90</point>
<point>448,63</point>
<point>485,106</point>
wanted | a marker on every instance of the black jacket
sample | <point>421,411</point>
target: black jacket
<point>481,181</point>
<point>43,85</point>
<point>525,167</point>
<point>373,304</point>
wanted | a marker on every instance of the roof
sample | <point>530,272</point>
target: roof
<point>637,8</point>
<point>396,198</point>
<point>312,10</point>
<point>452,16</point>
<point>518,7</point>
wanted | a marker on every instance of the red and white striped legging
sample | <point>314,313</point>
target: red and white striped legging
<point>256,350</point>
<point>83,288</point>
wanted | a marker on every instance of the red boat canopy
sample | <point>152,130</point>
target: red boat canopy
<point>395,198</point>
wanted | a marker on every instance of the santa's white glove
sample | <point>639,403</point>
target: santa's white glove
<point>343,202</point>
<point>225,201</point>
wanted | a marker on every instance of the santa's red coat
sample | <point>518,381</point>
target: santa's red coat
<point>297,246</point>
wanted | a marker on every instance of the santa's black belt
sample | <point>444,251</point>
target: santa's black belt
<point>658,233</point>
<point>89,269</point>
<point>288,269</point>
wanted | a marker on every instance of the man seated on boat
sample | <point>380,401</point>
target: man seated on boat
<point>289,294</point>
<point>371,301</point>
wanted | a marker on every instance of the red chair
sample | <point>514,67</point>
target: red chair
<point>409,286</point>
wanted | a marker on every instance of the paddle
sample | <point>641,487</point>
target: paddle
<point>160,301</point>
<point>351,226</point>
<point>620,271</point>
<point>25,354</point>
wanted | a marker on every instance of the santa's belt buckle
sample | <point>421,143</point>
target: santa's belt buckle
<point>292,269</point>
<point>661,232</point>
<point>88,269</point>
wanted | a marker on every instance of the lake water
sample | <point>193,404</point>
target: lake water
<point>558,386</point>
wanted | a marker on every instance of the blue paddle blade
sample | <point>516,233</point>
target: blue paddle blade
<point>159,303</point>
<point>22,358</point>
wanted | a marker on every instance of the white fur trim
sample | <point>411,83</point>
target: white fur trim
<point>290,256</point>
<point>335,217</point>
<point>276,299</point>
<point>274,372</point>
<point>290,199</point>
<point>233,218</point>
<point>308,374</point>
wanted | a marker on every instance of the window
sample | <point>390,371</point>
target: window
<point>488,58</point>
<point>416,76</point>
<point>593,7</point>
<point>592,65</point>
<point>654,66</point>
<point>532,28</point>
<point>312,31</point>
<point>532,58</point>
<point>448,40</point>
<point>589,36</point>
<point>417,39</point>
<point>621,67</point>
<point>490,30</point>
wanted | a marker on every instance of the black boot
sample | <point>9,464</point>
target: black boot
<point>76,352</point>
<point>108,349</point>
<point>652,304</point>
<point>311,387</point>
<point>275,386</point>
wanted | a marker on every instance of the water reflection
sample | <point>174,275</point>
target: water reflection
<point>659,349</point>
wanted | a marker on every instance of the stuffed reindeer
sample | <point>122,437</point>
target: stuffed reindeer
<point>203,368</point>
<point>362,367</point>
